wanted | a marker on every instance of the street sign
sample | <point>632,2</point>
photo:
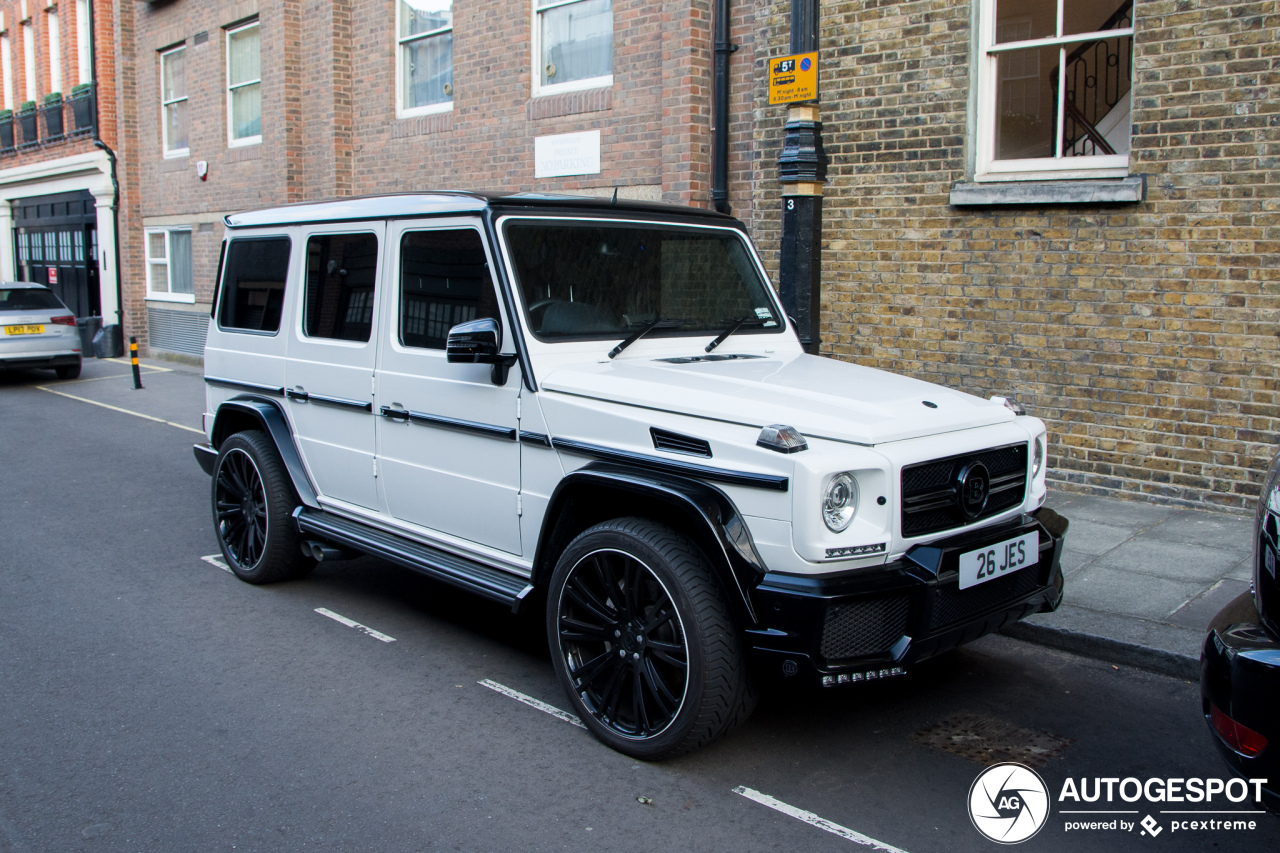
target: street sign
<point>793,79</point>
<point>53,275</point>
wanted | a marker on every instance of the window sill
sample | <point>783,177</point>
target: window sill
<point>171,297</point>
<point>570,103</point>
<point>1130,190</point>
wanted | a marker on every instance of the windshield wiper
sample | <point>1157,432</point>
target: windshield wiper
<point>737,324</point>
<point>658,323</point>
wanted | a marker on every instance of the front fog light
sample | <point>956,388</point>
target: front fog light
<point>1037,457</point>
<point>840,502</point>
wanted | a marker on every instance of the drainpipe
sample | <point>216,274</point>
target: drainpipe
<point>720,142</point>
<point>111,158</point>
<point>802,170</point>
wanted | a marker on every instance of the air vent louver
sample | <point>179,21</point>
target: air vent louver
<point>674,442</point>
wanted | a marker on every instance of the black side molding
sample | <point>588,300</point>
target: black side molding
<point>247,386</point>
<point>486,581</point>
<point>772,482</point>
<point>490,430</point>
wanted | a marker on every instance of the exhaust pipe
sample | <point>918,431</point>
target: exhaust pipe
<point>321,551</point>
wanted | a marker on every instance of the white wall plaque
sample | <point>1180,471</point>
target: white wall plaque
<point>566,154</point>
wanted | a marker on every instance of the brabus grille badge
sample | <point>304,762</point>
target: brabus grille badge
<point>987,741</point>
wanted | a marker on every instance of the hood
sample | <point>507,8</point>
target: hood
<point>821,397</point>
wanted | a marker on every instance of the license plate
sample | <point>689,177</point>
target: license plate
<point>999,559</point>
<point>24,330</point>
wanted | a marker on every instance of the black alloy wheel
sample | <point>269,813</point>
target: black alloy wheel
<point>253,500</point>
<point>623,643</point>
<point>240,506</point>
<point>643,641</point>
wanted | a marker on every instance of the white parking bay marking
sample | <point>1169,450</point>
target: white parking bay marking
<point>377,635</point>
<point>216,560</point>
<point>533,703</point>
<point>118,409</point>
<point>813,820</point>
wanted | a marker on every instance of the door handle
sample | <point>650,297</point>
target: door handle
<point>300,396</point>
<point>395,412</point>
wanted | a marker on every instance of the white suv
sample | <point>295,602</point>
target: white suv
<point>602,408</point>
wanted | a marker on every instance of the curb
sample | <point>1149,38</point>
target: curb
<point>1106,649</point>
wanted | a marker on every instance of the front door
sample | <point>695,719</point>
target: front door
<point>447,450</point>
<point>331,352</point>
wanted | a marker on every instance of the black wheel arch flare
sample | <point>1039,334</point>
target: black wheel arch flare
<point>602,490</point>
<point>251,411</point>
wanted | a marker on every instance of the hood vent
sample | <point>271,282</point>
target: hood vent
<point>674,442</point>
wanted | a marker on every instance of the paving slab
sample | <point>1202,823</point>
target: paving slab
<point>1176,561</point>
<point>1242,572</point>
<point>1197,612</point>
<point>1111,590</point>
<point>1095,538</point>
<point>1072,560</point>
<point>1153,646</point>
<point>1115,511</point>
<point>1207,528</point>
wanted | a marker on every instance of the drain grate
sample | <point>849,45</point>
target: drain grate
<point>987,740</point>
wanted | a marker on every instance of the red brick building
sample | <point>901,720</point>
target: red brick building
<point>57,140</point>
<point>244,104</point>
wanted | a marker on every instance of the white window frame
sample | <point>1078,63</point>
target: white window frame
<point>232,142</point>
<point>152,263</point>
<point>539,88</point>
<point>6,68</point>
<point>401,110</point>
<point>29,61</point>
<point>164,119</point>
<point>55,50</point>
<point>84,20</point>
<point>987,168</point>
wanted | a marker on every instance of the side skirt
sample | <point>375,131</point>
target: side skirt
<point>485,581</point>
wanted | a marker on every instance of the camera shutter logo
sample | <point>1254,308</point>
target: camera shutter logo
<point>1008,803</point>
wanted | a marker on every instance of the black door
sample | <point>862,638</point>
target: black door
<point>56,243</point>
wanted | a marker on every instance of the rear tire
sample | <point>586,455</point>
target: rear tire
<point>68,371</point>
<point>253,502</point>
<point>643,641</point>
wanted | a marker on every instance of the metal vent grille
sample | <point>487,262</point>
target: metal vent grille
<point>865,627</point>
<point>677,443</point>
<point>953,604</point>
<point>177,331</point>
<point>929,488</point>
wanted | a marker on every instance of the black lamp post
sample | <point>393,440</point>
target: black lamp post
<point>802,170</point>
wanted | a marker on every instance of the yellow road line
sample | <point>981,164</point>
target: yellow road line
<point>130,362</point>
<point>118,409</point>
<point>100,378</point>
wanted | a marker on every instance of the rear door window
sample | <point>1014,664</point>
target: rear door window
<point>341,271</point>
<point>253,281</point>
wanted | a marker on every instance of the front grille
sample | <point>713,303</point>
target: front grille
<point>866,627</point>
<point>674,442</point>
<point>952,604</point>
<point>929,489</point>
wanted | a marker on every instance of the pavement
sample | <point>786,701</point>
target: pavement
<point>1142,579</point>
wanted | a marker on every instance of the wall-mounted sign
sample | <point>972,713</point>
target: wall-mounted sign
<point>53,275</point>
<point>793,79</point>
<point>566,154</point>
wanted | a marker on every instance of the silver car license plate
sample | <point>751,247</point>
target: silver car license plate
<point>999,559</point>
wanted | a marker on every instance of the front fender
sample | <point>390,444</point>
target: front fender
<point>708,515</point>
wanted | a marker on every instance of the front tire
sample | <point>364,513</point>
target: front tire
<point>643,641</point>
<point>253,502</point>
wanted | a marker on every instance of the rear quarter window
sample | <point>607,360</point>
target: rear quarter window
<point>253,282</point>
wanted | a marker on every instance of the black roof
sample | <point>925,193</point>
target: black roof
<point>406,205</point>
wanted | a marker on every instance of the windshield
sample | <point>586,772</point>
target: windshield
<point>28,299</point>
<point>591,280</point>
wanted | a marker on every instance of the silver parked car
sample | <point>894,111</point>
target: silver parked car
<point>37,330</point>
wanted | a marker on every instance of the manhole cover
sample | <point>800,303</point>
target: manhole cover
<point>989,741</point>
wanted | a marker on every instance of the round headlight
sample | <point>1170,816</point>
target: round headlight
<point>840,502</point>
<point>1037,457</point>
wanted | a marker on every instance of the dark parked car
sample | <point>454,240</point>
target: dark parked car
<point>1240,665</point>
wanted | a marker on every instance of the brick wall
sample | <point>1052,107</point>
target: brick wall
<point>1144,334</point>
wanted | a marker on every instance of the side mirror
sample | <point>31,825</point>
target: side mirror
<point>477,342</point>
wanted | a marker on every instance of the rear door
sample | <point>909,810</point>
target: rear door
<point>448,455</point>
<point>331,353</point>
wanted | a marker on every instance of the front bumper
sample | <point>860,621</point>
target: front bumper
<point>871,623</point>
<point>1240,674</point>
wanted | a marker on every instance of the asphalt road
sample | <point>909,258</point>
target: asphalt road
<point>150,701</point>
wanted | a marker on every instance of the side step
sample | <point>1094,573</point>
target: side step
<point>491,583</point>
